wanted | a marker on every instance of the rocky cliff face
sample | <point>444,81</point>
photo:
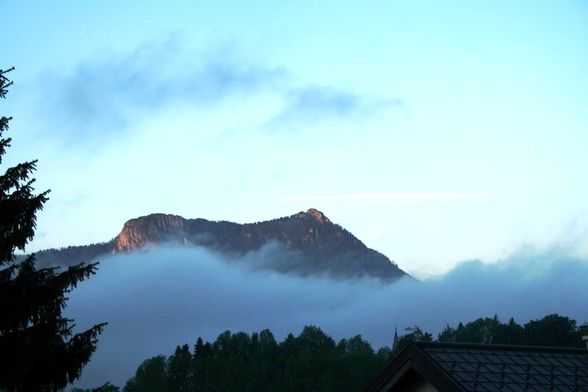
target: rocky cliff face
<point>148,231</point>
<point>307,243</point>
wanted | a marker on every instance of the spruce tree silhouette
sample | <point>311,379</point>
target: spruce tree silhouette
<point>38,349</point>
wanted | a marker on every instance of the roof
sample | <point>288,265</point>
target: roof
<point>462,367</point>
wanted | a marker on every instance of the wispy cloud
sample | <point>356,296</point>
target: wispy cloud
<point>391,196</point>
<point>316,103</point>
<point>103,93</point>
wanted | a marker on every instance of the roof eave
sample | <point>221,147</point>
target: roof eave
<point>413,357</point>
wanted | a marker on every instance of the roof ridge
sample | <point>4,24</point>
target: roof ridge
<point>509,347</point>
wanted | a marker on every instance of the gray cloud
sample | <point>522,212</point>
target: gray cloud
<point>316,103</point>
<point>102,94</point>
<point>156,300</point>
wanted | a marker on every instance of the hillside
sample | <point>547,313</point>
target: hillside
<point>306,243</point>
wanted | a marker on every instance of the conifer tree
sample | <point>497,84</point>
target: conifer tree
<point>179,372</point>
<point>38,349</point>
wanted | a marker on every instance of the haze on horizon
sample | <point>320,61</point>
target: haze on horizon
<point>435,132</point>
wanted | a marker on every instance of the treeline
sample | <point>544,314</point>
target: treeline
<point>71,255</point>
<point>552,330</point>
<point>257,362</point>
<point>314,361</point>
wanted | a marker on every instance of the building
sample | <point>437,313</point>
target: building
<point>459,367</point>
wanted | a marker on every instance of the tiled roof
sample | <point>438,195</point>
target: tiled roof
<point>511,368</point>
<point>459,367</point>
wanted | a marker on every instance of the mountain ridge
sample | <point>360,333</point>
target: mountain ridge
<point>306,243</point>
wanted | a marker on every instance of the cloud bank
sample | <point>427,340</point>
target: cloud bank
<point>156,300</point>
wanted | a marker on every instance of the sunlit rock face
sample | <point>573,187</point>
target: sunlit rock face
<point>306,243</point>
<point>300,231</point>
<point>148,230</point>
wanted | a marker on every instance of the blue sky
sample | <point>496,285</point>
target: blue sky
<point>434,131</point>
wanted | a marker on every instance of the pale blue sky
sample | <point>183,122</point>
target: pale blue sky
<point>435,131</point>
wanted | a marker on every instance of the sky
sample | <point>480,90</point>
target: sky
<point>436,132</point>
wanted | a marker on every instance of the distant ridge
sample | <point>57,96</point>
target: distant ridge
<point>306,243</point>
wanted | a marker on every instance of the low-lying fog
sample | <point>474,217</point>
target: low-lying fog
<point>156,300</point>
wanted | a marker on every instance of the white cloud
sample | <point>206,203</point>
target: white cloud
<point>392,196</point>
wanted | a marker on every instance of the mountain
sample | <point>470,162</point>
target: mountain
<point>307,243</point>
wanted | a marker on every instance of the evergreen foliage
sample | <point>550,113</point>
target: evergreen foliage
<point>551,330</point>
<point>314,361</point>
<point>151,376</point>
<point>108,387</point>
<point>38,350</point>
<point>256,362</point>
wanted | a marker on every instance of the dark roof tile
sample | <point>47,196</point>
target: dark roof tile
<point>511,368</point>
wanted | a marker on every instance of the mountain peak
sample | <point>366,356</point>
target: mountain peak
<point>314,214</point>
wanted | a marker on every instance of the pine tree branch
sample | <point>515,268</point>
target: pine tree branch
<point>5,82</point>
